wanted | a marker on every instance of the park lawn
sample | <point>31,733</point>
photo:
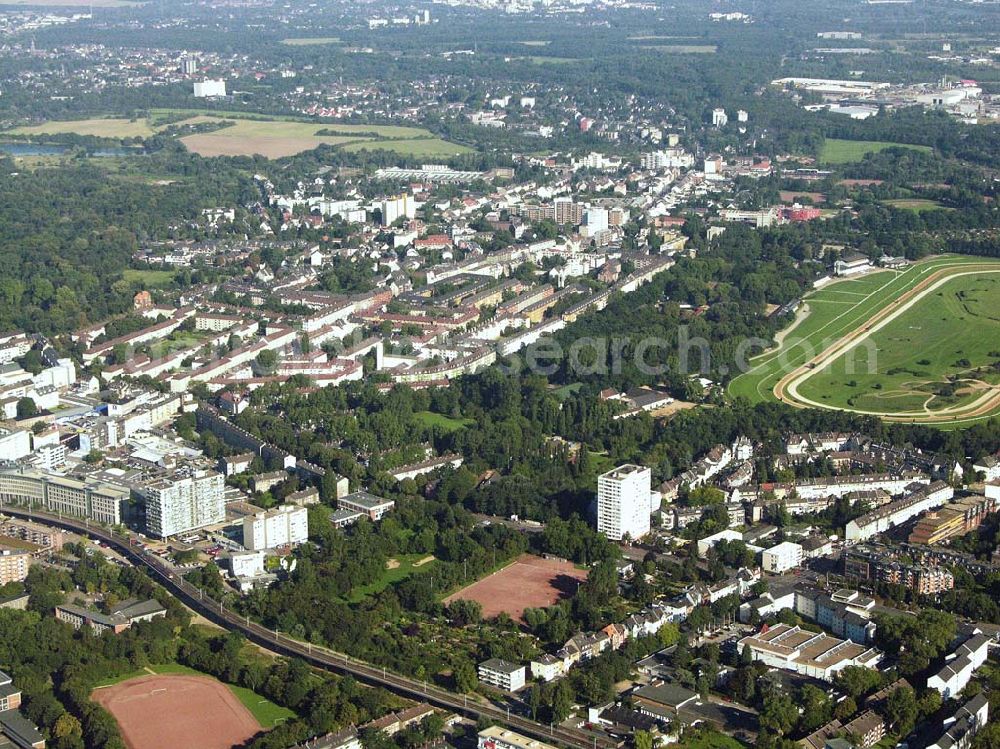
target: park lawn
<point>176,341</point>
<point>837,151</point>
<point>834,310</point>
<point>267,713</point>
<point>918,351</point>
<point>151,279</point>
<point>309,41</point>
<point>918,205</point>
<point>448,423</point>
<point>110,127</point>
<point>406,565</point>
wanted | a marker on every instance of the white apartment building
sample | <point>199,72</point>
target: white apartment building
<point>502,674</point>
<point>14,444</point>
<point>209,88</point>
<point>781,558</point>
<point>895,513</point>
<point>719,117</point>
<point>286,525</point>
<point>184,501</point>
<point>960,666</point>
<point>623,502</point>
<point>400,206</point>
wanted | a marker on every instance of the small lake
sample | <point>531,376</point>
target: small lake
<point>39,149</point>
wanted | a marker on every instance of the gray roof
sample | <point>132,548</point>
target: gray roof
<point>501,666</point>
<point>672,695</point>
<point>19,729</point>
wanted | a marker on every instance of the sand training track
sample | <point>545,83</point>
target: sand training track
<point>171,711</point>
<point>787,388</point>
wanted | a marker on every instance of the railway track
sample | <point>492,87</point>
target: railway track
<point>317,656</point>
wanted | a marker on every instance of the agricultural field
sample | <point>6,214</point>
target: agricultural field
<point>886,307</point>
<point>110,127</point>
<point>837,151</point>
<point>270,137</point>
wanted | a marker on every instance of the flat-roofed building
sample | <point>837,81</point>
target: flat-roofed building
<point>13,565</point>
<point>623,502</point>
<point>809,653</point>
<point>185,500</point>
<point>64,495</point>
<point>286,525</point>
<point>497,737</point>
<point>781,558</point>
<point>502,674</point>
<point>951,521</point>
<point>367,504</point>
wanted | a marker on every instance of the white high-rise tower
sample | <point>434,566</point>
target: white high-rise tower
<point>623,502</point>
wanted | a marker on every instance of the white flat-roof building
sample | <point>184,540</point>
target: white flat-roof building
<point>810,653</point>
<point>781,558</point>
<point>286,525</point>
<point>184,501</point>
<point>623,502</point>
<point>502,674</point>
<point>209,88</point>
<point>497,737</point>
<point>247,563</point>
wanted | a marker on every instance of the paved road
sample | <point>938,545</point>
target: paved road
<point>317,656</point>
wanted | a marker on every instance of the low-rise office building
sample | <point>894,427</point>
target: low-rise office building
<point>809,653</point>
<point>368,504</point>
